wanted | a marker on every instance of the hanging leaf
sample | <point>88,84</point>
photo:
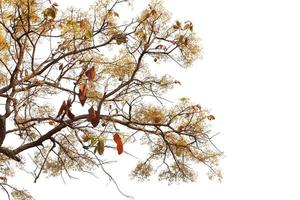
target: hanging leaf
<point>89,34</point>
<point>180,128</point>
<point>185,42</point>
<point>82,93</point>
<point>153,12</point>
<point>161,47</point>
<point>50,12</point>
<point>71,115</point>
<point>181,39</point>
<point>177,82</point>
<point>62,109</point>
<point>120,38</point>
<point>51,122</point>
<point>61,66</point>
<point>86,137</point>
<point>69,104</point>
<point>100,146</point>
<point>199,106</point>
<point>84,24</point>
<point>26,75</point>
<point>95,121</point>
<point>116,14</point>
<point>91,73</point>
<point>177,25</point>
<point>119,143</point>
<point>92,113</point>
<point>93,117</point>
<point>188,25</point>
<point>211,117</point>
<point>157,119</point>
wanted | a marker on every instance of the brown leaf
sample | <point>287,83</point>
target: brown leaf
<point>92,113</point>
<point>82,93</point>
<point>62,109</point>
<point>153,12</point>
<point>61,66</point>
<point>91,74</point>
<point>160,46</point>
<point>185,42</point>
<point>180,128</point>
<point>86,137</point>
<point>177,82</point>
<point>71,115</point>
<point>120,38</point>
<point>157,119</point>
<point>177,25</point>
<point>95,121</point>
<point>119,143</point>
<point>191,27</point>
<point>186,26</point>
<point>116,14</point>
<point>93,117</point>
<point>50,12</point>
<point>69,104</point>
<point>211,117</point>
<point>100,146</point>
<point>51,122</point>
<point>181,39</point>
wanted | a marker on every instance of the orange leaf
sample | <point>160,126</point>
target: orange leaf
<point>82,93</point>
<point>91,73</point>
<point>119,143</point>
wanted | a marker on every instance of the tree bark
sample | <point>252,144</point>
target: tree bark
<point>2,129</point>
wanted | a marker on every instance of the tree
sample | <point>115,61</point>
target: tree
<point>76,85</point>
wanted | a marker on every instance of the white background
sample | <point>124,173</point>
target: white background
<point>249,79</point>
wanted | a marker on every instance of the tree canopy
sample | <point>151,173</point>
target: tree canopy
<point>77,85</point>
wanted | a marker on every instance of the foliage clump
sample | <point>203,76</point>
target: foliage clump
<point>76,84</point>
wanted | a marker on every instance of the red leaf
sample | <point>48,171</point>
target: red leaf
<point>119,143</point>
<point>82,93</point>
<point>91,73</point>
